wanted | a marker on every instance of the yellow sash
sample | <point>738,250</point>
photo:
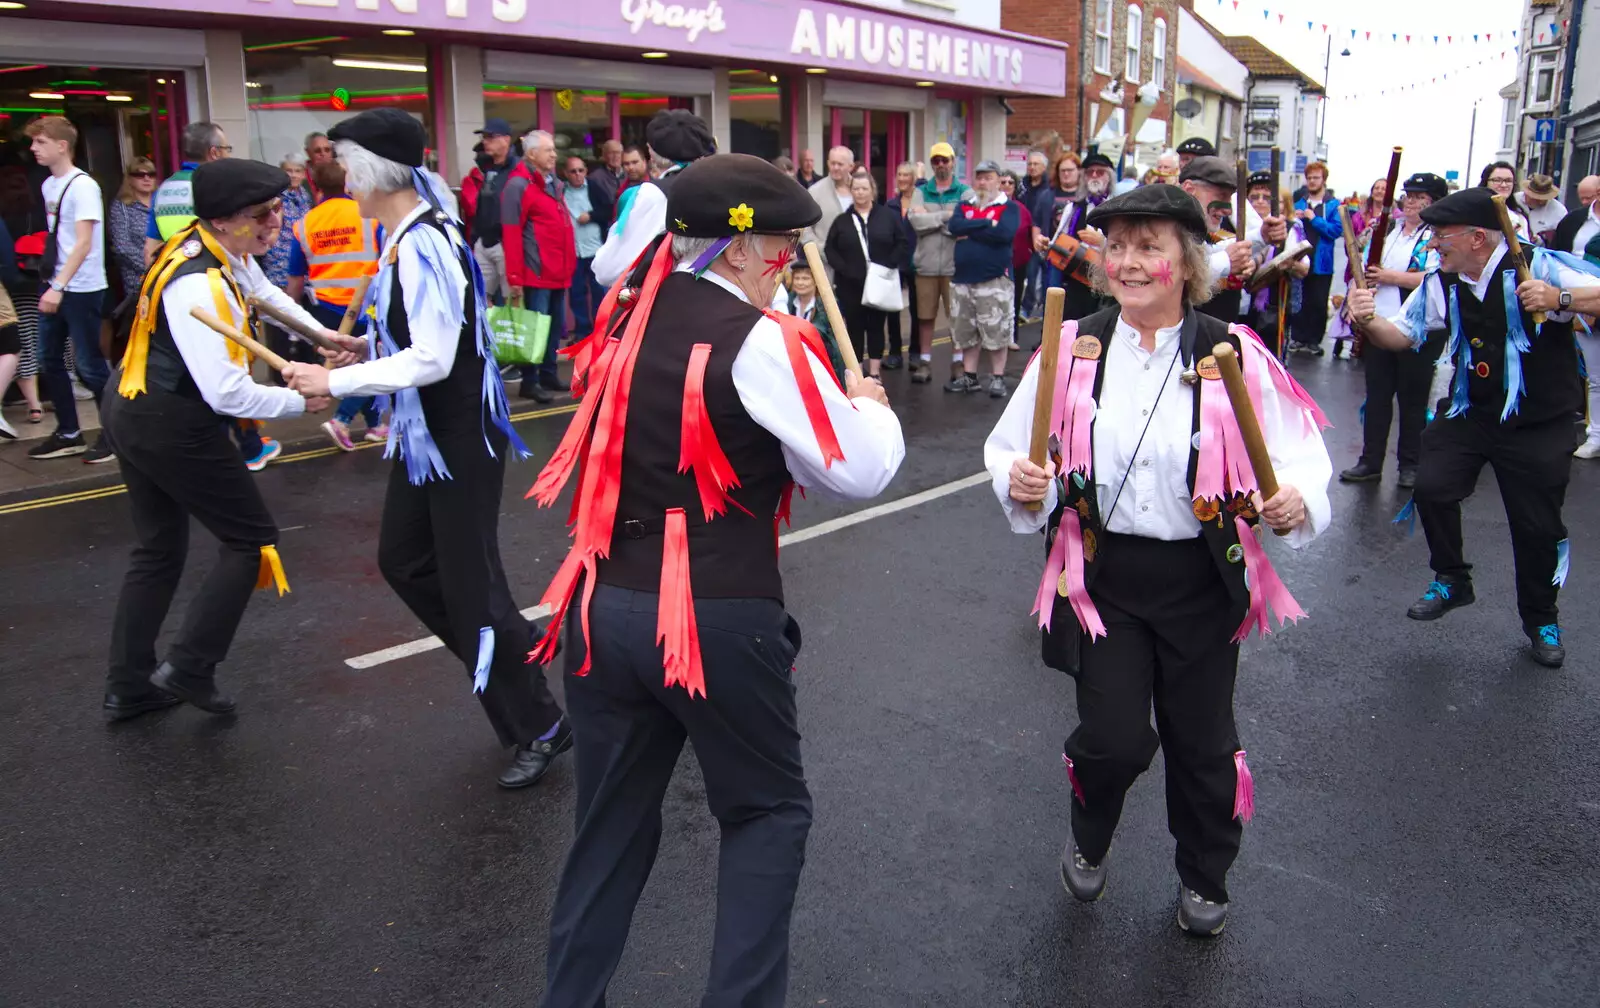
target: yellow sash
<point>168,260</point>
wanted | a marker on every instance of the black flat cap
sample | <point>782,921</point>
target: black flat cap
<point>223,188</point>
<point>1427,184</point>
<point>1198,146</point>
<point>1097,160</point>
<point>387,132</point>
<point>680,135</point>
<point>1470,207</point>
<point>729,194</point>
<point>1156,200</point>
<point>1212,171</point>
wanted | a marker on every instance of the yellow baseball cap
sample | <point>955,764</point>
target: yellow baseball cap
<point>941,149</point>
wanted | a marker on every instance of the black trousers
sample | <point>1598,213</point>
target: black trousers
<point>919,342</point>
<point>178,461</point>
<point>628,730</point>
<point>1532,465</point>
<point>439,549</point>
<point>1395,375</point>
<point>1311,321</point>
<point>896,345</point>
<point>866,324</point>
<point>1169,623</point>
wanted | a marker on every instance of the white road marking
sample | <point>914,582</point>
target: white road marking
<point>406,650</point>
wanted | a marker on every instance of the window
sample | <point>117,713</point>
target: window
<point>1226,120</point>
<point>1541,78</point>
<point>1158,54</point>
<point>1508,127</point>
<point>1130,66</point>
<point>1102,38</point>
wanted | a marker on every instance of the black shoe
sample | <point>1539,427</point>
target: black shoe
<point>556,384</point>
<point>1086,882</point>
<point>1546,645</point>
<point>1441,597</point>
<point>1407,480</point>
<point>1361,472</point>
<point>119,707</point>
<point>893,362</point>
<point>99,452</point>
<point>1198,915</point>
<point>201,691</point>
<point>532,761</point>
<point>963,383</point>
<point>56,446</point>
<point>533,390</point>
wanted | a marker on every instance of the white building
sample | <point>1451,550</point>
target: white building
<point>1211,88</point>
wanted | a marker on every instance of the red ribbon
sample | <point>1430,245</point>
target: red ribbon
<point>676,629</point>
<point>798,337</point>
<point>698,448</point>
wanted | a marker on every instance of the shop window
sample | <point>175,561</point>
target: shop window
<point>758,122</point>
<point>1102,37</point>
<point>517,104</point>
<point>299,85</point>
<point>1135,39</point>
<point>582,123</point>
<point>950,125</point>
<point>1158,54</point>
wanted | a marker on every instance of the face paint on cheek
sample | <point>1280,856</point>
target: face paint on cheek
<point>1162,271</point>
<point>242,230</point>
<point>1113,268</point>
<point>780,263</point>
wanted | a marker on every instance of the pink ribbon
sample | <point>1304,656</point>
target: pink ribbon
<point>1260,366</point>
<point>1077,590</point>
<point>1072,778</point>
<point>1210,474</point>
<point>1058,407</point>
<point>1244,788</point>
<point>1080,393</point>
<point>1044,603</point>
<point>1267,592</point>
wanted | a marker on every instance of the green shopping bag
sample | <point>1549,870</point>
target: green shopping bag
<point>520,335</point>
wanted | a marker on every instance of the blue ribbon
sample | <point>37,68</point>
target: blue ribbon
<point>480,672</point>
<point>1417,316</point>
<point>1563,564</point>
<point>1461,353</point>
<point>1516,345</point>
<point>1408,514</point>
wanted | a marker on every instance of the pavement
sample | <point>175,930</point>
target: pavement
<point>1427,828</point>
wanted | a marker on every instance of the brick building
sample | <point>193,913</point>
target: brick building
<point>1113,45</point>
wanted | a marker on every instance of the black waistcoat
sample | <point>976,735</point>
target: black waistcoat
<point>1200,333</point>
<point>736,554</point>
<point>452,406</point>
<point>1552,388</point>
<point>165,369</point>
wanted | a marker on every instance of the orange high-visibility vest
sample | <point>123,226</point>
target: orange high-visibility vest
<point>340,247</point>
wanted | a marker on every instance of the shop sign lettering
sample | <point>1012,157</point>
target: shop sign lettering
<point>866,40</point>
<point>692,20</point>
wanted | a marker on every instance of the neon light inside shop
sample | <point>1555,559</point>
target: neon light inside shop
<point>297,42</point>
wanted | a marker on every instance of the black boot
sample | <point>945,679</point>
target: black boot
<point>1361,472</point>
<point>199,690</point>
<point>1442,595</point>
<point>1546,645</point>
<point>531,389</point>
<point>122,706</point>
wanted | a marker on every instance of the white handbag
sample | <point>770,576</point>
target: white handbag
<point>883,290</point>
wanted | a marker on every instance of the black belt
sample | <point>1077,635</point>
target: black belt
<point>643,528</point>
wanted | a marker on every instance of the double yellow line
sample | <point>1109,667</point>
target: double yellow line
<point>114,490</point>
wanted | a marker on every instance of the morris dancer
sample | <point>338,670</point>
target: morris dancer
<point>1513,398</point>
<point>675,137</point>
<point>449,433</point>
<point>1156,568</point>
<point>179,382</point>
<point>703,410</point>
<point>1261,308</point>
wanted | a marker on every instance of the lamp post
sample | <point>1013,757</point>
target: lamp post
<point>1327,65</point>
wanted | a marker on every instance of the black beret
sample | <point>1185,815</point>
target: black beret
<point>1471,207</point>
<point>728,194</point>
<point>1428,184</point>
<point>1097,160</point>
<point>680,135</point>
<point>387,132</point>
<point>1156,200</point>
<point>1212,171</point>
<point>1259,178</point>
<point>1198,146</point>
<point>223,188</point>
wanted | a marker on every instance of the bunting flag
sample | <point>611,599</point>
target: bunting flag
<point>1436,79</point>
<point>1313,25</point>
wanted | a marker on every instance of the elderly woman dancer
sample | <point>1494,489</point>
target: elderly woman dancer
<point>1155,566</point>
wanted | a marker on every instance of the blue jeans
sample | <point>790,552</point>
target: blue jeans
<point>586,295</point>
<point>548,301</point>
<point>77,318</point>
<point>1035,284</point>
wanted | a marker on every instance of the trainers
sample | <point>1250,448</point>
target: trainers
<point>1442,596</point>
<point>80,393</point>
<point>893,362</point>
<point>1198,915</point>
<point>1588,450</point>
<point>964,383</point>
<point>997,387</point>
<point>339,434</point>
<point>379,433</point>
<point>58,445</point>
<point>921,373</point>
<point>98,453</point>
<point>1086,882</point>
<point>1547,649</point>
<point>7,431</point>
<point>270,450</point>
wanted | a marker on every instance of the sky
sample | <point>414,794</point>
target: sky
<point>1431,121</point>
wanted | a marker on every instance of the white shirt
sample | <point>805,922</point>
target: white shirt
<point>1433,289</point>
<point>1543,220</point>
<point>1220,267</point>
<point>1397,252</point>
<point>435,323</point>
<point>1590,228</point>
<point>1156,502</point>
<point>646,219</point>
<point>225,386</point>
<point>869,433</point>
<point>82,203</point>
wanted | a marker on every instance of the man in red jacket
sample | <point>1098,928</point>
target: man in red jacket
<point>541,252</point>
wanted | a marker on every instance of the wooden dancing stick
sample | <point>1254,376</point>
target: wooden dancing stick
<point>1514,249</point>
<point>1241,199</point>
<point>295,325</point>
<point>1283,304</point>
<point>819,273</point>
<point>1055,299</point>
<point>1358,276</point>
<point>352,314</point>
<point>278,363</point>
<point>1249,427</point>
<point>1380,227</point>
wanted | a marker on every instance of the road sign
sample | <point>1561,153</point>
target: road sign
<point>1300,163</point>
<point>1451,175</point>
<point>1258,160</point>
<point>1544,131</point>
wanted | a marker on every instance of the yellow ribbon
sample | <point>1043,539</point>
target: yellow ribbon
<point>271,571</point>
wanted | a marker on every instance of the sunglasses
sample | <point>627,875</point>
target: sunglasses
<point>267,210</point>
<point>141,174</point>
<point>939,160</point>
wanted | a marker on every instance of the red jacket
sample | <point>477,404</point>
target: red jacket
<point>541,248</point>
<point>1022,248</point>
<point>471,186</point>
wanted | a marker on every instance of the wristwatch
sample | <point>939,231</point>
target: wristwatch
<point>1566,300</point>
<point>59,287</point>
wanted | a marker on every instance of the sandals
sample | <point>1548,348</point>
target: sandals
<point>36,416</point>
